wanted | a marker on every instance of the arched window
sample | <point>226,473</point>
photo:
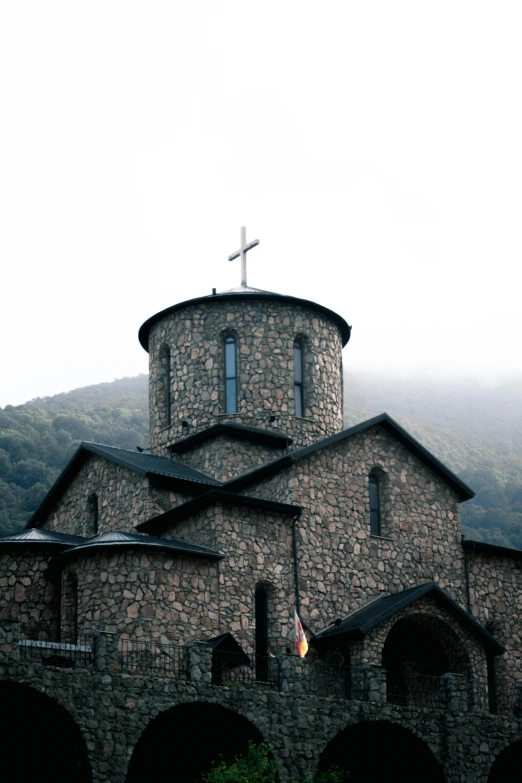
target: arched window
<point>261,634</point>
<point>375,508</point>
<point>298,378</point>
<point>164,387</point>
<point>94,521</point>
<point>230,375</point>
<point>168,400</point>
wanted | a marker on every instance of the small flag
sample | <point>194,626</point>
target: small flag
<point>301,645</point>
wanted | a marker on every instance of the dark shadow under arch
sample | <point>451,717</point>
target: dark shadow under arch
<point>508,765</point>
<point>39,739</point>
<point>374,752</point>
<point>182,743</point>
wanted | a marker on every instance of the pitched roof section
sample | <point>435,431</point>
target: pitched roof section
<point>143,464</point>
<point>355,625</point>
<point>40,538</point>
<point>271,438</point>
<point>191,507</point>
<point>491,549</point>
<point>118,540</point>
<point>384,421</point>
<point>246,295</point>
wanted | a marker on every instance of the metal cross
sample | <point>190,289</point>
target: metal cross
<point>243,250</point>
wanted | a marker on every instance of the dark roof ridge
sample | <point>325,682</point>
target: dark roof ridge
<point>34,537</point>
<point>190,507</point>
<point>377,611</point>
<point>239,431</point>
<point>143,464</point>
<point>494,550</point>
<point>384,420</point>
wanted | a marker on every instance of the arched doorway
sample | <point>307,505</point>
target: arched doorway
<point>373,752</point>
<point>182,743</point>
<point>417,651</point>
<point>39,740</point>
<point>506,767</point>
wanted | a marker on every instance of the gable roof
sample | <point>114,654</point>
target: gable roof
<point>143,464</point>
<point>278,440</point>
<point>191,507</point>
<point>383,420</point>
<point>372,614</point>
<point>40,538</point>
<point>119,540</point>
<point>493,550</point>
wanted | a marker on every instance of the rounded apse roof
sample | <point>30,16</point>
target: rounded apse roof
<point>243,294</point>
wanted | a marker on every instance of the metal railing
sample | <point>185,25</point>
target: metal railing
<point>326,679</point>
<point>241,669</point>
<point>144,657</point>
<point>409,689</point>
<point>38,645</point>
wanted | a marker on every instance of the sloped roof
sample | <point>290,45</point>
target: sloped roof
<point>143,464</point>
<point>191,507</point>
<point>238,431</point>
<point>40,538</point>
<point>376,612</point>
<point>493,550</point>
<point>244,294</point>
<point>120,540</point>
<point>383,420</point>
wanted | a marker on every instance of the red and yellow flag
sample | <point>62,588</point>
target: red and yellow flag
<point>301,645</point>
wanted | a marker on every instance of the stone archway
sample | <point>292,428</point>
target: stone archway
<point>376,751</point>
<point>181,743</point>
<point>39,739</point>
<point>506,767</point>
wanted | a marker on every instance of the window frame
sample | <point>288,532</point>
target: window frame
<point>230,399</point>
<point>374,498</point>
<point>299,406</point>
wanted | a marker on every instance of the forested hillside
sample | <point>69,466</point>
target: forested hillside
<point>476,431</point>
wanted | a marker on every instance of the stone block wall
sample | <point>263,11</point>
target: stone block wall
<point>265,332</point>
<point>258,551</point>
<point>341,565</point>
<point>496,602</point>
<point>26,594</point>
<point>225,457</point>
<point>149,596</point>
<point>125,499</point>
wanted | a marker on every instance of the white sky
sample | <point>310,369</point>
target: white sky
<point>375,149</point>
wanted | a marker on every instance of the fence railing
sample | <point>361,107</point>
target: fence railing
<point>239,668</point>
<point>409,689</point>
<point>326,679</point>
<point>38,645</point>
<point>144,657</point>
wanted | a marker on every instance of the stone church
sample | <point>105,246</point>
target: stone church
<point>147,610</point>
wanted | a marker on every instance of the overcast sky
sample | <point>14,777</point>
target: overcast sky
<point>374,148</point>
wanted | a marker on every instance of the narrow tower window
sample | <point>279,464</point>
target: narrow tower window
<point>94,515</point>
<point>230,376</point>
<point>69,610</point>
<point>298,378</point>
<point>375,511</point>
<point>261,636</point>
<point>168,400</point>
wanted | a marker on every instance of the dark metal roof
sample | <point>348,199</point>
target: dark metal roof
<point>355,625</point>
<point>491,549</point>
<point>231,654</point>
<point>40,538</point>
<point>144,464</point>
<point>191,507</point>
<point>238,431</point>
<point>244,295</point>
<point>119,540</point>
<point>384,421</point>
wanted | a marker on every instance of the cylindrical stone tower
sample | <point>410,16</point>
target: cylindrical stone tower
<point>234,357</point>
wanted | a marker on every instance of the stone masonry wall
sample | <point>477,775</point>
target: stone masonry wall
<point>140,595</point>
<point>125,499</point>
<point>265,333</point>
<point>341,565</point>
<point>225,458</point>
<point>26,595</point>
<point>496,601</point>
<point>258,550</point>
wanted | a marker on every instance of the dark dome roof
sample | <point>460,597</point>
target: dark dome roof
<point>239,294</point>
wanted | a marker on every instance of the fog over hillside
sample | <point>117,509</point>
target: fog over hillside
<point>474,427</point>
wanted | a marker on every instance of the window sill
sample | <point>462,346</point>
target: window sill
<point>220,415</point>
<point>303,418</point>
<point>381,538</point>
